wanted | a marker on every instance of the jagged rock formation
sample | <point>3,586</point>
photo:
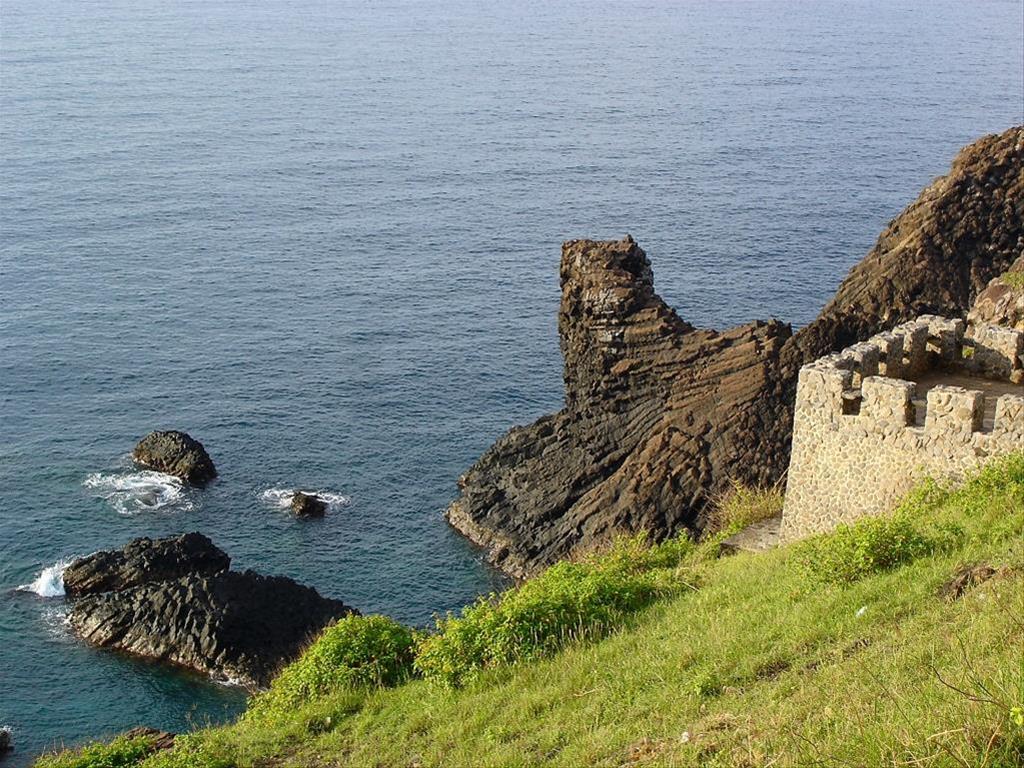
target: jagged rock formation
<point>660,417</point>
<point>175,453</point>
<point>962,231</point>
<point>1002,301</point>
<point>230,625</point>
<point>143,561</point>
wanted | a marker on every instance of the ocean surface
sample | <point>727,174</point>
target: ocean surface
<point>323,238</point>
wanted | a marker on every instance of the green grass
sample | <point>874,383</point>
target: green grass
<point>1014,279</point>
<point>748,660</point>
<point>122,752</point>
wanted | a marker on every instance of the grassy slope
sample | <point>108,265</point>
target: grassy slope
<point>759,666</point>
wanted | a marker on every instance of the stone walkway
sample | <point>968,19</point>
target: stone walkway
<point>755,538</point>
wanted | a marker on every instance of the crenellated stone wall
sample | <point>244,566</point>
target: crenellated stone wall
<point>928,398</point>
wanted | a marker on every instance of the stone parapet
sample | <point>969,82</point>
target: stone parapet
<point>863,436</point>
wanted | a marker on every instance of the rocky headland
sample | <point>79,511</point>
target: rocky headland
<point>175,600</point>
<point>660,416</point>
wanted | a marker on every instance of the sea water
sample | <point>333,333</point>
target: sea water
<point>323,238</point>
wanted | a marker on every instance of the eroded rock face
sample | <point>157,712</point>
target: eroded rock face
<point>308,505</point>
<point>175,453</point>
<point>230,625</point>
<point>1002,301</point>
<point>963,230</point>
<point>660,417</point>
<point>658,414</point>
<point>143,561</point>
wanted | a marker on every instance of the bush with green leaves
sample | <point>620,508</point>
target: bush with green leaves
<point>354,652</point>
<point>851,552</point>
<point>570,601</point>
<point>122,752</point>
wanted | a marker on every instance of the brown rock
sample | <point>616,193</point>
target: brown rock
<point>308,505</point>
<point>175,453</point>
<point>660,417</point>
<point>964,579</point>
<point>158,740</point>
<point>1002,301</point>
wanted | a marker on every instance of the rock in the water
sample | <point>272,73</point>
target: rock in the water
<point>5,741</point>
<point>660,417</point>
<point>143,561</point>
<point>234,626</point>
<point>1002,301</point>
<point>308,505</point>
<point>175,453</point>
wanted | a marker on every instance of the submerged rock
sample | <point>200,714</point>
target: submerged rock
<point>234,626</point>
<point>175,453</point>
<point>660,417</point>
<point>308,505</point>
<point>143,561</point>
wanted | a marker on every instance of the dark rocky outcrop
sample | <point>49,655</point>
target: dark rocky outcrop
<point>158,740</point>
<point>5,741</point>
<point>308,505</point>
<point>175,453</point>
<point>231,625</point>
<point>660,417</point>
<point>963,230</point>
<point>144,561</point>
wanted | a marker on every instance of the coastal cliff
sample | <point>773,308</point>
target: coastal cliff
<point>660,417</point>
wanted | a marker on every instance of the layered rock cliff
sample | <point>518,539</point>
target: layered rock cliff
<point>660,417</point>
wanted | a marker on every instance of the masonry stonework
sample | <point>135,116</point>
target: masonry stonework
<point>930,398</point>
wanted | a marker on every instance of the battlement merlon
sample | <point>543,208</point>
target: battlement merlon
<point>864,384</point>
<point>914,347</point>
<point>1009,417</point>
<point>954,412</point>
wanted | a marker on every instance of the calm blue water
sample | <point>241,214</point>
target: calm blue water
<point>323,238</point>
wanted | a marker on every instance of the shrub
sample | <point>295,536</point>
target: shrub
<point>705,685</point>
<point>569,601</point>
<point>740,507</point>
<point>122,752</point>
<point>356,651</point>
<point>852,552</point>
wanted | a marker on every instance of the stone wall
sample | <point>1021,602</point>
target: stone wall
<point>862,437</point>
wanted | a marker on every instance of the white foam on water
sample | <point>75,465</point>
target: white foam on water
<point>58,624</point>
<point>131,493</point>
<point>50,581</point>
<point>282,497</point>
